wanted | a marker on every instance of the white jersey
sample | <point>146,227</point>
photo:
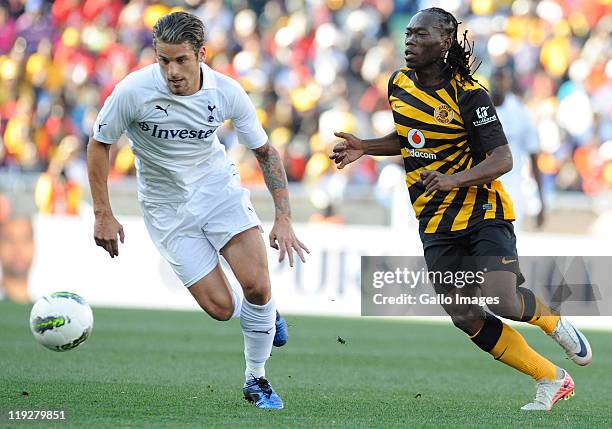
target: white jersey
<point>523,141</point>
<point>519,129</point>
<point>174,138</point>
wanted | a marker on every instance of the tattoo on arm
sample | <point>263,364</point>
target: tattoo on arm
<point>275,177</point>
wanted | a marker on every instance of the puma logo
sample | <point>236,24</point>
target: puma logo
<point>158,107</point>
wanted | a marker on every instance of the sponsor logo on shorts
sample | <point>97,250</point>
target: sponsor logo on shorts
<point>507,261</point>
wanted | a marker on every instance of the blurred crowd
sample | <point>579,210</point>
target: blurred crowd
<point>311,67</point>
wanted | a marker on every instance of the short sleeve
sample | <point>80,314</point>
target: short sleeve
<point>244,118</point>
<point>390,84</point>
<point>119,110</point>
<point>481,121</point>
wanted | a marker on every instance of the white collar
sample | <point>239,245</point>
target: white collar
<point>208,77</point>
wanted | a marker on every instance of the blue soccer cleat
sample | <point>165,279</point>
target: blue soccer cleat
<point>259,391</point>
<point>282,334</point>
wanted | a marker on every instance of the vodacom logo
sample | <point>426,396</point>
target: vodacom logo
<point>416,138</point>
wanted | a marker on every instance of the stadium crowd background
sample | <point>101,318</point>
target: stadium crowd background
<point>310,67</point>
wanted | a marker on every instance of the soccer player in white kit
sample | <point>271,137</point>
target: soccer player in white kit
<point>193,205</point>
<point>524,143</point>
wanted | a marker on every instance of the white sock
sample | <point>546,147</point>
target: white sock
<point>257,345</point>
<point>237,298</point>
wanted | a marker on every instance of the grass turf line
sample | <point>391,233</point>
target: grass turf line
<point>169,369</point>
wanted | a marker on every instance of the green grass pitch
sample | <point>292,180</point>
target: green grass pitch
<point>182,369</point>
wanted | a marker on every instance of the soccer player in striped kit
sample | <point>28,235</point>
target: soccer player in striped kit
<point>454,150</point>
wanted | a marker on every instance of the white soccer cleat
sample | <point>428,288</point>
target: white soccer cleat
<point>573,342</point>
<point>549,392</point>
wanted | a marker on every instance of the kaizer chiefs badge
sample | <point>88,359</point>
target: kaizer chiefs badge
<point>443,114</point>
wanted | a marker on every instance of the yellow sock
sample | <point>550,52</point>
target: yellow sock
<point>508,346</point>
<point>544,317</point>
<point>513,350</point>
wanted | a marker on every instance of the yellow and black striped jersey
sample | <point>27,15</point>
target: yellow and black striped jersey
<point>448,128</point>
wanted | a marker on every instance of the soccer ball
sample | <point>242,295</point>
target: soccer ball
<point>61,321</point>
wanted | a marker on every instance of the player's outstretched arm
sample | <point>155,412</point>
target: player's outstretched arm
<point>352,148</point>
<point>497,163</point>
<point>106,228</point>
<point>282,236</point>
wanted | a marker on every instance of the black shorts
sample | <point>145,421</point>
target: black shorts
<point>488,246</point>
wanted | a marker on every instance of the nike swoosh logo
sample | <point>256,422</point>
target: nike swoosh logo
<point>507,261</point>
<point>500,356</point>
<point>583,348</point>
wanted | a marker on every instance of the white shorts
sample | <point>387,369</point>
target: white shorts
<point>189,235</point>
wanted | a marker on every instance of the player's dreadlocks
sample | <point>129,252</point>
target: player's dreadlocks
<point>459,54</point>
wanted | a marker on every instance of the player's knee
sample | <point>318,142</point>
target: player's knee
<point>506,308</point>
<point>457,310</point>
<point>256,290</point>
<point>223,315</point>
<point>466,318</point>
<point>467,323</point>
<point>218,312</point>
